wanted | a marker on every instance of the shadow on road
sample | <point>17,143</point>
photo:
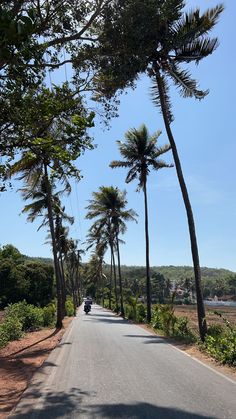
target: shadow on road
<point>141,411</point>
<point>61,405</point>
<point>114,320</point>
<point>54,404</point>
<point>150,338</point>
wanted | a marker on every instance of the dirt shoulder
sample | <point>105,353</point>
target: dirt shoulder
<point>20,359</point>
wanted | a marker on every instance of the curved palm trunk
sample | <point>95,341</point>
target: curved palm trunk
<point>54,248</point>
<point>120,277</point>
<point>114,273</point>
<point>148,280</point>
<point>194,247</point>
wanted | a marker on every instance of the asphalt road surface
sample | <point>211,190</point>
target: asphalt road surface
<point>106,367</point>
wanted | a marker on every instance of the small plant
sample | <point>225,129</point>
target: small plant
<point>220,342</point>
<point>141,313</point>
<point>12,328</point>
<point>69,307</point>
<point>163,318</point>
<point>182,330</point>
<point>49,315</point>
<point>4,338</point>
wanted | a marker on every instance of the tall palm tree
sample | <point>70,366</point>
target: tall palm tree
<point>109,205</point>
<point>172,37</point>
<point>140,154</point>
<point>99,238</point>
<point>183,38</point>
<point>34,169</point>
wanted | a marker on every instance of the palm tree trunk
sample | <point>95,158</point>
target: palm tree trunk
<point>148,280</point>
<point>193,239</point>
<point>120,277</point>
<point>63,287</point>
<point>115,282</point>
<point>54,248</point>
<point>110,282</point>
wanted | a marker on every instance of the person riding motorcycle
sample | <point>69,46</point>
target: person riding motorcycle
<point>87,305</point>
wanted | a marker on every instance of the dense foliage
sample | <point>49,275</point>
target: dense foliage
<point>24,280</point>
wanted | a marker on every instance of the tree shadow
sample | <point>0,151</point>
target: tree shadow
<point>142,410</point>
<point>150,338</point>
<point>116,320</point>
<point>55,404</point>
<point>55,332</point>
<point>60,404</point>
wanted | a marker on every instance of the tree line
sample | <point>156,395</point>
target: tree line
<point>108,44</point>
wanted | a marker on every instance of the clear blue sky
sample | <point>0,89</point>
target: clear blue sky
<point>205,136</point>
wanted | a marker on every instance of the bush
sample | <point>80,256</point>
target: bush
<point>182,330</point>
<point>69,307</point>
<point>49,314</point>
<point>106,303</point>
<point>163,318</point>
<point>3,337</point>
<point>141,313</point>
<point>221,344</point>
<point>12,328</point>
<point>130,313</point>
<point>31,317</point>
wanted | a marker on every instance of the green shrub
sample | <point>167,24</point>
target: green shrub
<point>221,345</point>
<point>163,318</point>
<point>141,313</point>
<point>182,330</point>
<point>31,317</point>
<point>130,313</point>
<point>69,307</point>
<point>4,338</point>
<point>49,315</point>
<point>12,328</point>
<point>106,303</point>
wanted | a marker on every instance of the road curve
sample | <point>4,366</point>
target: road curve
<point>106,367</point>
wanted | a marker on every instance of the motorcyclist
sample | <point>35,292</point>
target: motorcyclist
<point>87,304</point>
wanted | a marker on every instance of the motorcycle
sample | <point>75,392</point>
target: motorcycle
<point>87,308</point>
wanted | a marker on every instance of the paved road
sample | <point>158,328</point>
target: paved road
<point>108,368</point>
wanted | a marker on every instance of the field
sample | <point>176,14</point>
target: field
<point>190,311</point>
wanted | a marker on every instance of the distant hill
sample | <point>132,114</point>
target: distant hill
<point>48,261</point>
<point>174,273</point>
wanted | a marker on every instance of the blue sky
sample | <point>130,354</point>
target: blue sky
<point>205,136</point>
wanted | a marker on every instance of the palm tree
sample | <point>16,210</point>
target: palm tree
<point>39,186</point>
<point>183,38</point>
<point>99,238</point>
<point>140,154</point>
<point>170,38</point>
<point>108,206</point>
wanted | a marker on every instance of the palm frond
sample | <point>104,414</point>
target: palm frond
<point>119,163</point>
<point>160,164</point>
<point>196,50</point>
<point>193,26</point>
<point>187,85</point>
<point>161,150</point>
<point>155,95</point>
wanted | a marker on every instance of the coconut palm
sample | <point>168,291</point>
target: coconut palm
<point>99,239</point>
<point>108,206</point>
<point>170,37</point>
<point>140,154</point>
<point>183,39</point>
<point>33,169</point>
